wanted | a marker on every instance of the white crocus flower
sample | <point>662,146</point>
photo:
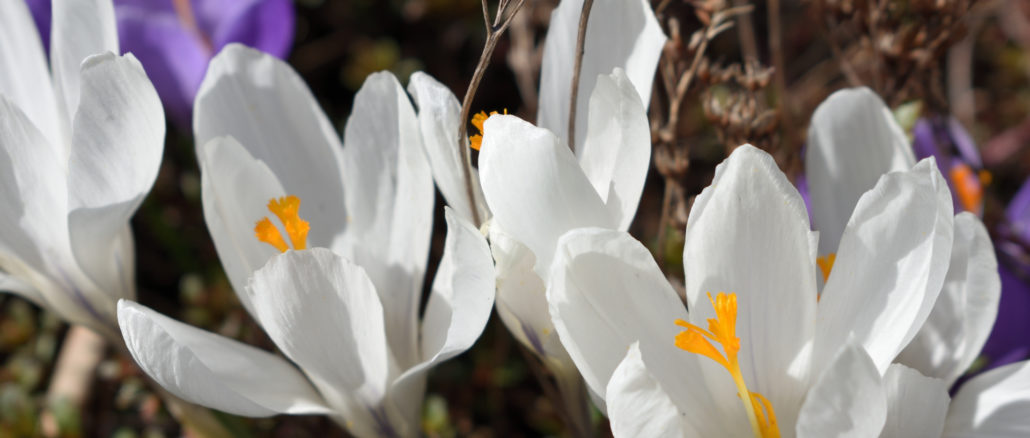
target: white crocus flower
<point>80,146</point>
<point>534,186</point>
<point>804,364</point>
<point>853,141</point>
<point>346,312</point>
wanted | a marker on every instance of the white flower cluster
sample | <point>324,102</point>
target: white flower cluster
<point>858,328</point>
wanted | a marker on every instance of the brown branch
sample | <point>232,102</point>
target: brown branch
<point>493,35</point>
<point>581,36</point>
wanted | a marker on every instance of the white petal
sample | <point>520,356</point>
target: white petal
<point>261,102</point>
<point>916,404</point>
<point>621,34</point>
<point>535,187</point>
<point>605,293</point>
<point>639,407</point>
<point>32,189</point>
<point>322,311</point>
<point>617,151</point>
<point>214,371</point>
<point>890,267</point>
<point>993,404</point>
<point>438,117</point>
<point>389,195</point>
<point>459,307</point>
<point>235,191</point>
<point>848,400</point>
<point>117,143</point>
<point>9,283</point>
<point>24,75</point>
<point>964,313</point>
<point>852,141</point>
<point>79,29</point>
<point>522,299</point>
<point>462,296</point>
<point>748,234</point>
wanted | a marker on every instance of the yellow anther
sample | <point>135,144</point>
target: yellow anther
<point>476,141</point>
<point>826,264</point>
<point>286,209</point>
<point>723,331</point>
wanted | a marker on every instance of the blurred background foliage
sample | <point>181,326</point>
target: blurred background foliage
<point>491,391</point>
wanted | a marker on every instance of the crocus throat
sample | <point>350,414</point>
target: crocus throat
<point>476,141</point>
<point>722,330</point>
<point>286,209</point>
<point>826,264</point>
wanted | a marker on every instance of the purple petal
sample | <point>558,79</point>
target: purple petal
<point>1010,339</point>
<point>174,58</point>
<point>957,157</point>
<point>266,25</point>
<point>1018,213</point>
<point>42,15</point>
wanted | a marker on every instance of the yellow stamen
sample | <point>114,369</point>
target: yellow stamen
<point>286,209</point>
<point>723,331</point>
<point>967,187</point>
<point>826,264</point>
<point>476,141</point>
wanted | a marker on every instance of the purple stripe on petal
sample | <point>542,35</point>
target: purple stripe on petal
<point>41,13</point>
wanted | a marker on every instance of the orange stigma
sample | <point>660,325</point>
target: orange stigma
<point>286,209</point>
<point>476,141</point>
<point>723,331</point>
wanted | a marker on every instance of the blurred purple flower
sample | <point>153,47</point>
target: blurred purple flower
<point>175,39</point>
<point>945,139</point>
<point>958,158</point>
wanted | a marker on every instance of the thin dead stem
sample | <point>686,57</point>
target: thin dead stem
<point>493,34</point>
<point>581,36</point>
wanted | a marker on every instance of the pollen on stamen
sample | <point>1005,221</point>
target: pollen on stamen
<point>476,141</point>
<point>826,264</point>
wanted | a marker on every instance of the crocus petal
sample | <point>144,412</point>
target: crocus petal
<point>891,265</point>
<point>459,305</point>
<point>606,292</point>
<point>748,234</point>
<point>389,195</point>
<point>438,116</point>
<point>853,140</point>
<point>174,57</point>
<point>960,321</point>
<point>526,169</point>
<point>235,191</point>
<point>638,406</point>
<point>323,313</point>
<point>25,77</point>
<point>622,34</point>
<point>617,151</point>
<point>117,143</point>
<point>916,404</point>
<point>993,404</point>
<point>262,103</point>
<point>214,371</point>
<point>848,400</point>
<point>80,29</point>
<point>522,300</point>
<point>266,25</point>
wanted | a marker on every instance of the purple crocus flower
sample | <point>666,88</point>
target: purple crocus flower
<point>945,139</point>
<point>175,39</point>
<point>1010,339</point>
